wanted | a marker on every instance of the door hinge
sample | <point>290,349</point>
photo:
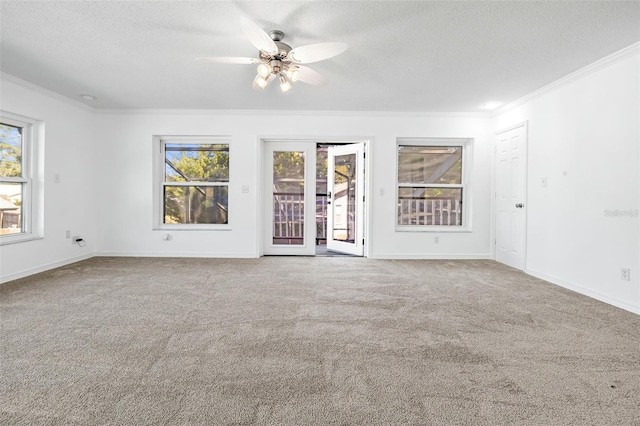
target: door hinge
<point>363,241</point>
<point>363,198</point>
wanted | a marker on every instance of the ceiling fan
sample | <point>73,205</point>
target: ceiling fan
<point>278,60</point>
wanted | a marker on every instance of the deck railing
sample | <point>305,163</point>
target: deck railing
<point>288,217</point>
<point>431,211</point>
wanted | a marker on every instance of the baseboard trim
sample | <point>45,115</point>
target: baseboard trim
<point>584,291</point>
<point>44,268</point>
<point>177,254</point>
<point>400,256</point>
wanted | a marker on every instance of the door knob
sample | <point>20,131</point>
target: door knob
<point>519,205</point>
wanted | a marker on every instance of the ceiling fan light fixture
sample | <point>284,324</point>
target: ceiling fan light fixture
<point>285,86</point>
<point>261,82</point>
<point>277,59</point>
<point>264,70</point>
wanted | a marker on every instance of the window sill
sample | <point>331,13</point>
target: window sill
<point>438,229</point>
<point>196,227</point>
<point>18,238</point>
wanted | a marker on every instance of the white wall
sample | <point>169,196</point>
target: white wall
<point>124,143</point>
<point>584,136</point>
<point>68,205</point>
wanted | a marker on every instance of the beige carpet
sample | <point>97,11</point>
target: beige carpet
<point>306,341</point>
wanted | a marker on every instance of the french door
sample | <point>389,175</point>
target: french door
<point>511,194</point>
<point>289,176</point>
<point>345,199</point>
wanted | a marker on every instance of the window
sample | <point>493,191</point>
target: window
<point>431,184</point>
<point>194,184</point>
<point>16,178</point>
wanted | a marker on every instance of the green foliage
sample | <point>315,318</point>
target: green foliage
<point>211,164</point>
<point>322,164</point>
<point>288,171</point>
<point>343,172</point>
<point>288,165</point>
<point>10,151</point>
<point>196,163</point>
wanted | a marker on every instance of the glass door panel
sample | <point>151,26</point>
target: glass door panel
<point>288,198</point>
<point>344,198</point>
<point>345,204</point>
<point>321,195</point>
<point>289,219</point>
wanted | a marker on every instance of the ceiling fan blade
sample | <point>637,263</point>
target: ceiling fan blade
<point>229,60</point>
<point>316,52</point>
<point>258,37</point>
<point>309,76</point>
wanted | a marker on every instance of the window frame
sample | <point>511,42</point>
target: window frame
<point>31,220</point>
<point>159,143</point>
<point>465,184</point>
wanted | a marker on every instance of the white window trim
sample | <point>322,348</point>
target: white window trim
<point>467,155</point>
<point>32,197</point>
<point>158,182</point>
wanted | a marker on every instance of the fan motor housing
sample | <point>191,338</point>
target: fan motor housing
<point>283,49</point>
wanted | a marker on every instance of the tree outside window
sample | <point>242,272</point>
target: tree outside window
<point>195,187</point>
<point>13,179</point>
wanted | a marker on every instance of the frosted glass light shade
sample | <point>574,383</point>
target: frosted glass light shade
<point>293,74</point>
<point>285,86</point>
<point>264,70</point>
<point>261,82</point>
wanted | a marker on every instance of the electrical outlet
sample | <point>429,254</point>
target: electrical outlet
<point>625,274</point>
<point>67,234</point>
<point>436,240</point>
<point>543,182</point>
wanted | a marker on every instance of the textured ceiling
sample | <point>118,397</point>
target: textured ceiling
<point>403,55</point>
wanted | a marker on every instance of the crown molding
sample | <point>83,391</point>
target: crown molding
<point>570,78</point>
<point>46,92</point>
<point>262,112</point>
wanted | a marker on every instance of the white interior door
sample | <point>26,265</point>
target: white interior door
<point>511,194</point>
<point>345,199</point>
<point>289,177</point>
